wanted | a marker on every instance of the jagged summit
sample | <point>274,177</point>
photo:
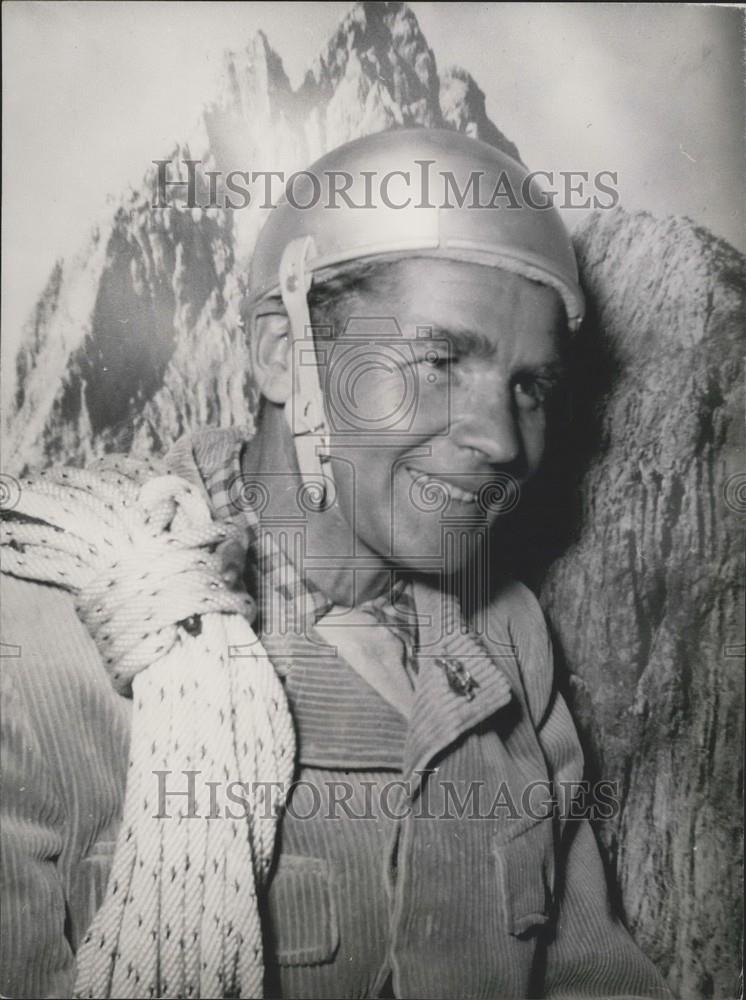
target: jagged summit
<point>379,48</point>
<point>462,106</point>
<point>254,72</point>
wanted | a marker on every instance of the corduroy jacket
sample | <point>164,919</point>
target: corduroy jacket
<point>417,857</point>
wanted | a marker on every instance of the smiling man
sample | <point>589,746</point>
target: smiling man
<point>409,357</point>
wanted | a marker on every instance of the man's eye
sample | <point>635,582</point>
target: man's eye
<point>438,360</point>
<point>531,393</point>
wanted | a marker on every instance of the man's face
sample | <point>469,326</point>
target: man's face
<point>435,431</point>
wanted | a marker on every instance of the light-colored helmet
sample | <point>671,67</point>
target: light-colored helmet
<point>434,203</point>
<point>412,193</point>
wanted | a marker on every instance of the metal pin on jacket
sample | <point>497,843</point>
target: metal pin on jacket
<point>458,677</point>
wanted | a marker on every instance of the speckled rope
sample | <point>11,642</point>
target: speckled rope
<point>138,551</point>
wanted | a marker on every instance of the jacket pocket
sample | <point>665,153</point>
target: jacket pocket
<point>524,860</point>
<point>302,918</point>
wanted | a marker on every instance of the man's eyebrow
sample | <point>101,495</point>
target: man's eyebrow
<point>554,370</point>
<point>461,339</point>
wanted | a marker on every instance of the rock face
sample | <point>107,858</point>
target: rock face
<point>647,601</point>
<point>138,340</point>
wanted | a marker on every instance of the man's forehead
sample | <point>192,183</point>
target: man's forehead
<point>408,276</point>
<point>454,297</point>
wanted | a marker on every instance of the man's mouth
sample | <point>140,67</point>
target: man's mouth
<point>426,480</point>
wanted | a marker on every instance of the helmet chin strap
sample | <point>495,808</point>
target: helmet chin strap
<point>304,410</point>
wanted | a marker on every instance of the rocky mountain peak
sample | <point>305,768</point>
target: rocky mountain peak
<point>254,72</point>
<point>463,107</point>
<point>380,52</point>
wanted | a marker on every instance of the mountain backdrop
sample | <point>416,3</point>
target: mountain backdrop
<point>136,341</point>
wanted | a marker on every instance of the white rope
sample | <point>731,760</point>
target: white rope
<point>180,917</point>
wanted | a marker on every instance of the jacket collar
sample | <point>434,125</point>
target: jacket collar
<point>459,685</point>
<point>344,722</point>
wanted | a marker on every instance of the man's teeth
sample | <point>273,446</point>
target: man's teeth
<point>452,491</point>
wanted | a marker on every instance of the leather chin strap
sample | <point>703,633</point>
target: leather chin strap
<point>304,411</point>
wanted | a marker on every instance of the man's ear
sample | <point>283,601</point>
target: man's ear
<point>271,355</point>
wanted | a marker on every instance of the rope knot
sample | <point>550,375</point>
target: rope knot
<point>153,584</point>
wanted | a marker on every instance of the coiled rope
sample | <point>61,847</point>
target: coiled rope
<point>139,552</point>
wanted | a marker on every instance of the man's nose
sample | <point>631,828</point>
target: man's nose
<point>484,421</point>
